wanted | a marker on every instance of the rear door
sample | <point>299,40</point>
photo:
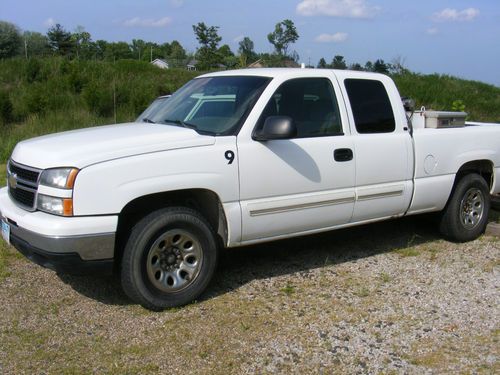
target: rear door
<point>383,147</point>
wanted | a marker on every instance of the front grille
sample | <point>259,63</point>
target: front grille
<point>24,197</point>
<point>28,175</point>
<point>22,184</point>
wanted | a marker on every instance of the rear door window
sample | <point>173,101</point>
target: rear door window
<point>370,105</point>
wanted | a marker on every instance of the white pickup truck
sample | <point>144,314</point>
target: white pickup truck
<point>236,158</point>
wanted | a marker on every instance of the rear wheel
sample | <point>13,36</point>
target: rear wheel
<point>466,214</point>
<point>169,258</point>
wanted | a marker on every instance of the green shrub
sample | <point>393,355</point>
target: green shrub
<point>37,99</point>
<point>98,97</point>
<point>5,108</point>
<point>33,70</point>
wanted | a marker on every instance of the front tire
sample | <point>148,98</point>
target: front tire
<point>466,214</point>
<point>169,259</point>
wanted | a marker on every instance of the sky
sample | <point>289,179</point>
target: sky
<point>458,37</point>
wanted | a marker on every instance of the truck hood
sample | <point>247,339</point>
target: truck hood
<point>80,148</point>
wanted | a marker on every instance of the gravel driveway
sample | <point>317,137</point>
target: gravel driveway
<point>383,298</point>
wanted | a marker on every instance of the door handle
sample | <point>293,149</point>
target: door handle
<point>343,154</point>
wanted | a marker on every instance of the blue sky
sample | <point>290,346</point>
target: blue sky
<point>456,37</point>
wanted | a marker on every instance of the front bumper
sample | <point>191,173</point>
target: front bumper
<point>69,245</point>
<point>69,263</point>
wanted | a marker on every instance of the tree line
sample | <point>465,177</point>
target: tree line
<point>210,54</point>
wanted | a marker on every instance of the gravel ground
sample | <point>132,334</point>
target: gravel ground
<point>384,298</point>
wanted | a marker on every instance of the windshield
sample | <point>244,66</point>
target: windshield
<point>215,106</point>
<point>153,108</point>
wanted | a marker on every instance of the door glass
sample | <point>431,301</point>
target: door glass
<point>370,105</point>
<point>310,103</point>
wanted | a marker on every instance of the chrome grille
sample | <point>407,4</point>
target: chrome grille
<point>22,182</point>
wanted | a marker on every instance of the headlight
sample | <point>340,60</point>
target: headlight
<point>54,205</point>
<point>61,178</point>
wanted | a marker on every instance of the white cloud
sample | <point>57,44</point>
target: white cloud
<point>147,22</point>
<point>331,38</point>
<point>49,22</point>
<point>450,14</point>
<point>432,31</point>
<point>337,8</point>
<point>176,3</point>
<point>238,39</point>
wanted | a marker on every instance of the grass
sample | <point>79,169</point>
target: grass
<point>289,289</point>
<point>384,277</point>
<point>6,253</point>
<point>434,91</point>
<point>55,94</point>
<point>408,252</point>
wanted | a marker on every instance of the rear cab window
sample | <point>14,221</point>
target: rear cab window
<point>371,106</point>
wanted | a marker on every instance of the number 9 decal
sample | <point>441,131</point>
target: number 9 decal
<point>229,155</point>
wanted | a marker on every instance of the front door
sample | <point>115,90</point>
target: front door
<point>302,184</point>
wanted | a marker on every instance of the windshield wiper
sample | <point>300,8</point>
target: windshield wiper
<point>181,123</point>
<point>145,119</point>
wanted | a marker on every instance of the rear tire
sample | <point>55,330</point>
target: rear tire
<point>466,214</point>
<point>169,259</point>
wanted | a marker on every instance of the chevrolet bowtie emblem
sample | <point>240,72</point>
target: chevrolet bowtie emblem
<point>13,181</point>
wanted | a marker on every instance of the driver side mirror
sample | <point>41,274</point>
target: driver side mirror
<point>276,127</point>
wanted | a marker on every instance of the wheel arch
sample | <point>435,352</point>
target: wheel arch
<point>483,167</point>
<point>205,201</point>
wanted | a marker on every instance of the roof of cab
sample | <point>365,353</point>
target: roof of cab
<point>278,72</point>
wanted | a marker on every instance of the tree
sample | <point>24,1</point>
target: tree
<point>60,40</point>
<point>100,48</point>
<point>36,44</point>
<point>10,39</point>
<point>82,42</point>
<point>246,50</point>
<point>322,64</point>
<point>283,35</point>
<point>380,67</point>
<point>177,54</point>
<point>356,66</point>
<point>338,62</point>
<point>369,66</point>
<point>228,57</point>
<point>117,51</point>
<point>138,48</point>
<point>209,39</point>
<point>397,65</point>
<point>165,50</point>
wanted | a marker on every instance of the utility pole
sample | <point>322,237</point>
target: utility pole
<point>26,48</point>
<point>151,58</point>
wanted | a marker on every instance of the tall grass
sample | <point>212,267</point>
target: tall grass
<point>50,95</point>
<point>53,94</point>
<point>482,101</point>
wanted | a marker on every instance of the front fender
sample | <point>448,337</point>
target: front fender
<point>107,187</point>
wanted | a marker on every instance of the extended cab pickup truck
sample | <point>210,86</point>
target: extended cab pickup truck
<point>236,158</point>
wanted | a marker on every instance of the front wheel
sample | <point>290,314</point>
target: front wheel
<point>169,258</point>
<point>466,214</point>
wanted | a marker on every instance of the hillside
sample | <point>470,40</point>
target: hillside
<point>54,94</point>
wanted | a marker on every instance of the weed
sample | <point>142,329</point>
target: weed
<point>362,292</point>
<point>289,289</point>
<point>408,252</point>
<point>385,277</point>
